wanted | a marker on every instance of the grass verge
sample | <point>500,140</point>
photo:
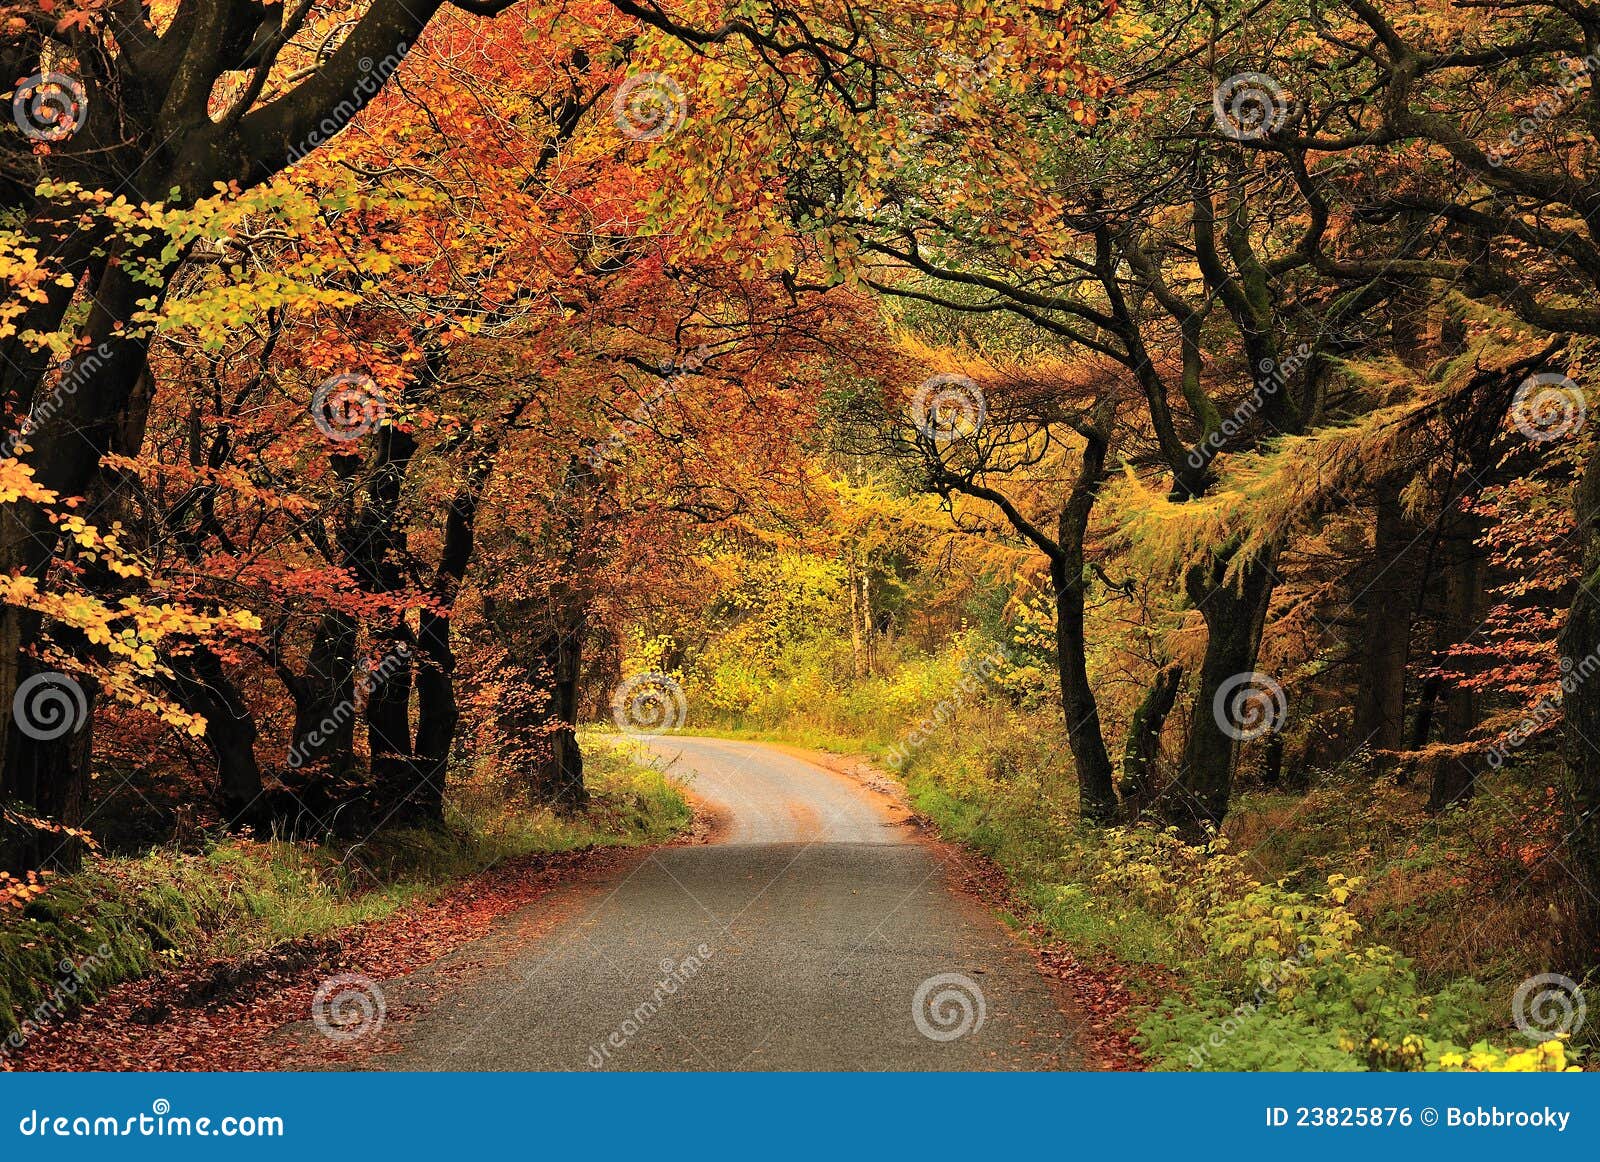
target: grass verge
<point>1338,928</point>
<point>120,918</point>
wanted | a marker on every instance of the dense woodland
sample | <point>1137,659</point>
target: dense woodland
<point>1175,416</point>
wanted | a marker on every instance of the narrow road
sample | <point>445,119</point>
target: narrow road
<point>814,932</point>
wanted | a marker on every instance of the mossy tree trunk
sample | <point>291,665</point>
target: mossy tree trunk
<point>1581,710</point>
<point>1235,612</point>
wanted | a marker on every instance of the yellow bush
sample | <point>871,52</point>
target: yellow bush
<point>1547,1057</point>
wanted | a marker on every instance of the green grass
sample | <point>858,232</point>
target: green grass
<point>120,918</point>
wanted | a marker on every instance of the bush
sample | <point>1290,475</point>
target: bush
<point>1280,979</point>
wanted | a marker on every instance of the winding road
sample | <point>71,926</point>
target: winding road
<point>817,930</point>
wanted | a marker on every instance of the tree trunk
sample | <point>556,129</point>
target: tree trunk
<point>60,232</point>
<point>325,706</point>
<point>203,687</point>
<point>1387,605</point>
<point>1234,614</point>
<point>1452,779</point>
<point>1272,760</point>
<point>869,630</point>
<point>1581,711</point>
<point>52,774</point>
<point>558,780</point>
<point>437,713</point>
<point>1097,794</point>
<point>856,669</point>
<point>370,545</point>
<point>1143,746</point>
<point>394,781</point>
<point>47,778</point>
<point>83,425</point>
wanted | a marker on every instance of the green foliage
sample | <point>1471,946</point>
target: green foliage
<point>1029,672</point>
<point>1279,979</point>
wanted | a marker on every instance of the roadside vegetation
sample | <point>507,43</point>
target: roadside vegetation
<point>1165,433</point>
<point>121,917</point>
<point>1338,926</point>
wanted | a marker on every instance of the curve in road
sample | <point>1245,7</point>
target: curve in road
<point>815,932</point>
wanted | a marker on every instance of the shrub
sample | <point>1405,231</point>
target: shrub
<point>1281,980</point>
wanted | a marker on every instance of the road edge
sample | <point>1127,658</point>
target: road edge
<point>1093,998</point>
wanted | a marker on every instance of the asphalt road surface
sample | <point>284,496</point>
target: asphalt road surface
<point>815,932</point>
